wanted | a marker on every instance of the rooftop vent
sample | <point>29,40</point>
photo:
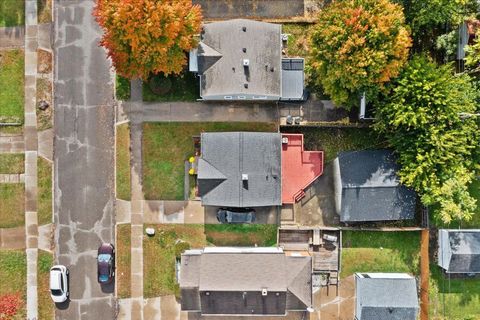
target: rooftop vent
<point>246,62</point>
<point>246,85</point>
<point>244,49</point>
<point>264,292</point>
<point>244,29</point>
<point>244,176</point>
<point>272,69</point>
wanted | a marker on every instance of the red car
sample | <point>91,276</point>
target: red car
<point>106,263</point>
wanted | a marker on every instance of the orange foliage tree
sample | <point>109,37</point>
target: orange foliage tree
<point>148,36</point>
<point>358,45</point>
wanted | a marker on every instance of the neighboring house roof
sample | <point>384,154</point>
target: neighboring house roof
<point>240,169</point>
<point>292,78</point>
<point>381,296</point>
<point>223,72</point>
<point>367,187</point>
<point>231,281</point>
<point>459,251</point>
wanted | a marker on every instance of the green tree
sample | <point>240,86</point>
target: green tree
<point>357,45</point>
<point>422,120</point>
<point>473,55</point>
<point>148,36</point>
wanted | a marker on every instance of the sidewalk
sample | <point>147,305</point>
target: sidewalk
<point>12,144</point>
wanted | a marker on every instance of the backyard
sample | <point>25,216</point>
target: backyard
<point>377,251</point>
<point>244,235</point>
<point>166,146</point>
<point>334,140</point>
<point>123,161</point>
<point>12,84</point>
<point>13,272</point>
<point>12,212</point>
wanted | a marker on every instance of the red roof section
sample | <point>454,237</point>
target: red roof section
<point>299,168</point>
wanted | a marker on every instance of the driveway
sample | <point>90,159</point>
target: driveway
<point>83,158</point>
<point>264,215</point>
<point>229,9</point>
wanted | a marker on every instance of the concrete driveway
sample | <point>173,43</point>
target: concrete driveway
<point>264,215</point>
<point>229,9</point>
<point>83,158</point>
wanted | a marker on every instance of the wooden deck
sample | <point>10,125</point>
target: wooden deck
<point>325,259</point>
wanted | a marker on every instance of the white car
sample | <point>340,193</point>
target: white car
<point>59,283</point>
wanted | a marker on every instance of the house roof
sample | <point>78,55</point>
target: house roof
<point>221,58</point>
<point>386,296</point>
<point>225,160</point>
<point>370,188</point>
<point>231,282</point>
<point>460,251</point>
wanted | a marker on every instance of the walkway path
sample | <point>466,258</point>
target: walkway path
<point>12,37</point>
<point>12,144</point>
<point>31,145</point>
<point>12,178</point>
<point>12,238</point>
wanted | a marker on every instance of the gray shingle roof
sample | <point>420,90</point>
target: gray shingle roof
<point>226,75</point>
<point>228,155</point>
<point>370,188</point>
<point>386,298</point>
<point>232,283</point>
<point>459,251</point>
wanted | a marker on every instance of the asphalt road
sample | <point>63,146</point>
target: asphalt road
<point>83,158</point>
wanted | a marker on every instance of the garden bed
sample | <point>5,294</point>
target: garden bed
<point>166,146</point>
<point>184,87</point>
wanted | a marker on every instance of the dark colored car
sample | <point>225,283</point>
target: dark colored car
<point>236,215</point>
<point>106,263</point>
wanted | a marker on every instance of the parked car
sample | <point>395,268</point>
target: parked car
<point>59,290</point>
<point>106,263</point>
<point>236,215</point>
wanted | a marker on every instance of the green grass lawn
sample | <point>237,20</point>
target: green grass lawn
<point>122,88</point>
<point>159,253</point>
<point>13,272</point>
<point>44,8</point>
<point>12,13</point>
<point>12,200</point>
<point>167,145</point>
<point>246,235</point>
<point>124,260</point>
<point>298,34</point>
<point>334,140</point>
<point>183,88</point>
<point>45,304</point>
<point>377,251</point>
<point>454,298</point>
<point>44,198</point>
<point>12,163</point>
<point>12,84</point>
<point>123,161</point>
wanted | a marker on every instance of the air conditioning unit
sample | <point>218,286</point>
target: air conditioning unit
<point>246,62</point>
<point>264,292</point>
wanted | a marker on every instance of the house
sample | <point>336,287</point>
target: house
<point>459,250</point>
<point>244,281</point>
<point>381,296</point>
<point>241,59</point>
<point>367,187</point>
<point>254,169</point>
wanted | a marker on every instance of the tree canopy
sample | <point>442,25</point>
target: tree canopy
<point>357,45</point>
<point>148,36</point>
<point>424,120</point>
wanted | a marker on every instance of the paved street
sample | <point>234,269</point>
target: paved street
<point>83,158</point>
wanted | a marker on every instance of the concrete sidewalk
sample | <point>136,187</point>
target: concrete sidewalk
<point>12,144</point>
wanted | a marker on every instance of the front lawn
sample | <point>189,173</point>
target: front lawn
<point>243,235</point>
<point>13,272</point>
<point>44,195</point>
<point>454,298</point>
<point>123,161</point>
<point>122,88</point>
<point>123,260</point>
<point>12,84</point>
<point>45,304</point>
<point>12,212</point>
<point>377,251</point>
<point>166,146</point>
<point>44,8</point>
<point>184,87</point>
<point>334,140</point>
<point>159,253</point>
<point>12,163</point>
<point>12,13</point>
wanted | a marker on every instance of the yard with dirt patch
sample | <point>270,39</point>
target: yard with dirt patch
<point>377,251</point>
<point>13,272</point>
<point>166,146</point>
